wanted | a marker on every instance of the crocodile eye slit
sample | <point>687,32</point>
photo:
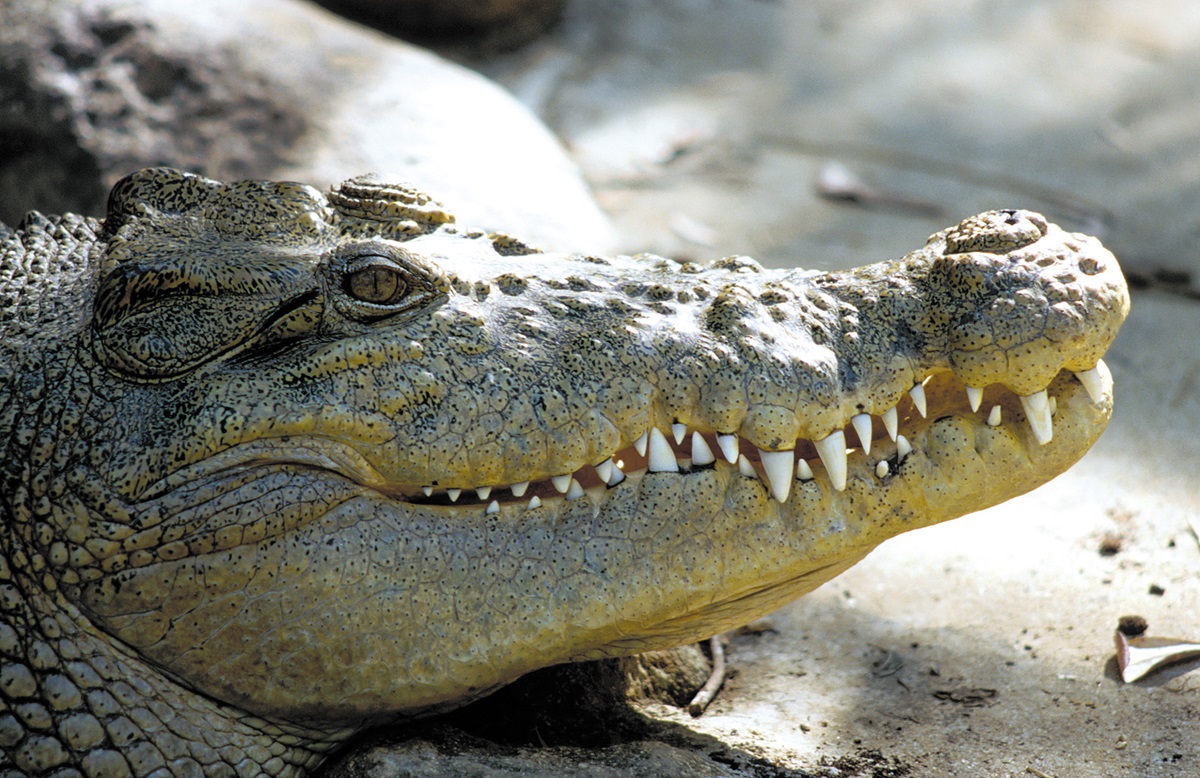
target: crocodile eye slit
<point>373,281</point>
<point>376,280</point>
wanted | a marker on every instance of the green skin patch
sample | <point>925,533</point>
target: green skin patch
<point>283,464</point>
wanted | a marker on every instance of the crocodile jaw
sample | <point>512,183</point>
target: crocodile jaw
<point>659,559</point>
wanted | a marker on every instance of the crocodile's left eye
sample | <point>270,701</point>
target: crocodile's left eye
<point>370,281</point>
<point>376,280</point>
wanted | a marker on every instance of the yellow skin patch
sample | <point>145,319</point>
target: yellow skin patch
<point>331,458</point>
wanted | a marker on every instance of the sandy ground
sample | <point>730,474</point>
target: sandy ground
<point>982,647</point>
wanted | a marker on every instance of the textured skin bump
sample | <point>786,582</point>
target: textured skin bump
<point>259,449</point>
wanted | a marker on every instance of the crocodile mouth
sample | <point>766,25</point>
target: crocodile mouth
<point>868,447</point>
<point>874,447</point>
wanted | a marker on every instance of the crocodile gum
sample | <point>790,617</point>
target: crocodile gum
<point>279,465</point>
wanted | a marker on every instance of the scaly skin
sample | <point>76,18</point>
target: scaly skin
<point>221,409</point>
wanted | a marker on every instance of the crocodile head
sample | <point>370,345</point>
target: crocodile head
<point>328,458</point>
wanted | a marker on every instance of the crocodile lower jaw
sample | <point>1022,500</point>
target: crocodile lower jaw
<point>868,448</point>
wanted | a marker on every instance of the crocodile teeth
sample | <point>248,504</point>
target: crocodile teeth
<point>662,458</point>
<point>778,466</point>
<point>483,492</point>
<point>605,469</point>
<point>745,468</point>
<point>881,469</point>
<point>617,476</point>
<point>493,507</point>
<point>862,426</point>
<point>535,502</point>
<point>917,393</point>
<point>678,431</point>
<point>453,494</point>
<point>427,490</point>
<point>518,490</point>
<point>993,419</point>
<point>701,453</point>
<point>640,444</point>
<point>575,491</point>
<point>891,422</point>
<point>729,447</point>
<point>561,482</point>
<point>974,396</point>
<point>1037,410</point>
<point>1093,381</point>
<point>903,447</point>
<point>832,450</point>
<point>803,471</point>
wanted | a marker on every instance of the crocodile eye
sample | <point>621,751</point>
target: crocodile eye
<point>379,282</point>
<point>375,280</point>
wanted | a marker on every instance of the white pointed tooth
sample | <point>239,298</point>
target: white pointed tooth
<point>483,492</point>
<point>832,450</point>
<point>535,502</point>
<point>493,507</point>
<point>745,468</point>
<point>917,393</point>
<point>881,469</point>
<point>662,458</point>
<point>862,426</point>
<point>903,448</point>
<point>561,482</point>
<point>1037,410</point>
<point>575,491</point>
<point>779,466</point>
<point>518,490</point>
<point>994,417</point>
<point>427,490</point>
<point>617,476</point>
<point>679,432</point>
<point>729,447</point>
<point>701,453</point>
<point>891,422</point>
<point>639,445</point>
<point>803,471</point>
<point>975,397</point>
<point>604,470</point>
<point>453,494</point>
<point>1093,381</point>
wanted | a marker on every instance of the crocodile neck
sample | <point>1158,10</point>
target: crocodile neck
<point>71,696</point>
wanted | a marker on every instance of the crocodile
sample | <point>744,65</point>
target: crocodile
<point>277,465</point>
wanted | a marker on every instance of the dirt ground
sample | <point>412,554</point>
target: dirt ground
<point>829,134</point>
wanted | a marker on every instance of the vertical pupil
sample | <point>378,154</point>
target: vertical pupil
<point>374,285</point>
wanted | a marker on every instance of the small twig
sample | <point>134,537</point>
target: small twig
<point>1191,522</point>
<point>710,688</point>
<point>1036,772</point>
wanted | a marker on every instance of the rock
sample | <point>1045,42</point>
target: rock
<point>581,720</point>
<point>502,23</point>
<point>447,754</point>
<point>277,89</point>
